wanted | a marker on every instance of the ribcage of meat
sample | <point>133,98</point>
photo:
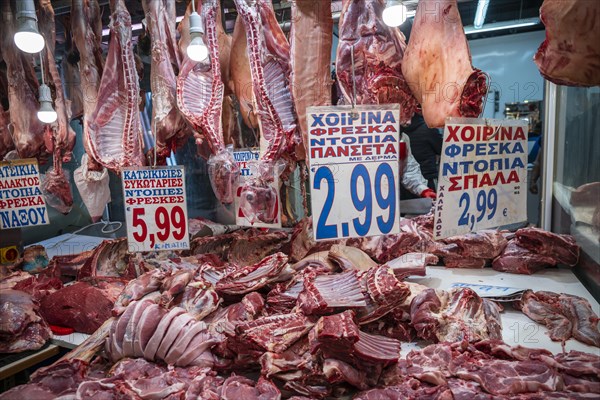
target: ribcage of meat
<point>200,99</point>
<point>437,65</point>
<point>269,55</point>
<point>241,76</point>
<point>311,41</point>
<point>59,137</point>
<point>114,129</point>
<point>570,55</point>
<point>26,129</point>
<point>168,125</point>
<point>378,58</point>
<point>6,141</point>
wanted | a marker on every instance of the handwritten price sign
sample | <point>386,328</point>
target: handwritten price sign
<point>483,175</point>
<point>155,208</point>
<point>354,170</point>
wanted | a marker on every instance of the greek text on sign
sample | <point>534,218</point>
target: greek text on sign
<point>483,176</point>
<point>155,208</point>
<point>21,201</point>
<point>354,170</point>
<point>246,161</point>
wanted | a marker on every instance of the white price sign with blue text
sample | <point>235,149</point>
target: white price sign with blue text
<point>354,161</point>
<point>483,176</point>
<point>155,208</point>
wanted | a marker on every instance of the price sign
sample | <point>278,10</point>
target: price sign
<point>354,156</point>
<point>21,201</point>
<point>246,160</point>
<point>483,176</point>
<point>155,208</point>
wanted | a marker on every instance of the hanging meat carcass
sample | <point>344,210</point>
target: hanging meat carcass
<point>114,129</point>
<point>91,178</point>
<point>570,55</point>
<point>269,56</point>
<point>6,141</point>
<point>59,136</point>
<point>26,129</point>
<point>70,69</point>
<point>378,58</point>
<point>312,36</point>
<point>437,65</point>
<point>168,125</point>
<point>200,99</point>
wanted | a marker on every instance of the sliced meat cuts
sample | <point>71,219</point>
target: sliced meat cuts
<point>564,315</point>
<point>455,316</point>
<point>570,55</point>
<point>378,58</point>
<point>562,248</point>
<point>168,126</point>
<point>200,100</point>
<point>114,130</point>
<point>269,56</point>
<point>253,277</point>
<point>437,65</point>
<point>26,129</point>
<point>80,306</point>
<point>275,333</point>
<point>350,258</point>
<point>311,42</point>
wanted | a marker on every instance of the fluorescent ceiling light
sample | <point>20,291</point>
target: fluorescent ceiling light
<point>482,6</point>
<point>503,25</point>
<point>135,27</point>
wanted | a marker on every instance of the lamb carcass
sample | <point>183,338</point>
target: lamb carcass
<point>114,129</point>
<point>570,55</point>
<point>378,58</point>
<point>26,129</point>
<point>168,126</point>
<point>437,65</point>
<point>200,99</point>
<point>269,55</point>
<point>311,41</point>
<point>59,137</point>
<point>241,76</point>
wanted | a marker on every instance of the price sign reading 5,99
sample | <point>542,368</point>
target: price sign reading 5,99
<point>155,209</point>
<point>354,170</point>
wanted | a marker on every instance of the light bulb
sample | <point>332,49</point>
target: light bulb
<point>29,42</point>
<point>47,117</point>
<point>46,113</point>
<point>394,14</point>
<point>28,38</point>
<point>197,50</point>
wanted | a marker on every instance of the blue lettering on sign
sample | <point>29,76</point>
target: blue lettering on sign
<point>23,217</point>
<point>325,231</point>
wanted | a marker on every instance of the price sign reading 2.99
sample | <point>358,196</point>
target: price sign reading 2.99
<point>483,176</point>
<point>353,157</point>
<point>155,208</point>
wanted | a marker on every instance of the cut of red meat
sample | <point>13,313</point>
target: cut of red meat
<point>338,371</point>
<point>138,288</point>
<point>518,260</point>
<point>80,306</point>
<point>239,387</point>
<point>350,258</point>
<point>251,250</point>
<point>377,349</point>
<point>569,55</point>
<point>21,327</point>
<point>253,277</point>
<point>562,248</point>
<point>199,299</point>
<point>564,315</point>
<point>321,293</point>
<point>454,316</point>
<point>156,339</point>
<point>274,333</point>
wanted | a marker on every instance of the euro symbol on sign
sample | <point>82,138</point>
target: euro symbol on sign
<point>504,212</point>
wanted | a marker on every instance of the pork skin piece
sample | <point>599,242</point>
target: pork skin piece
<point>378,58</point>
<point>437,65</point>
<point>311,42</point>
<point>570,55</point>
<point>115,136</point>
